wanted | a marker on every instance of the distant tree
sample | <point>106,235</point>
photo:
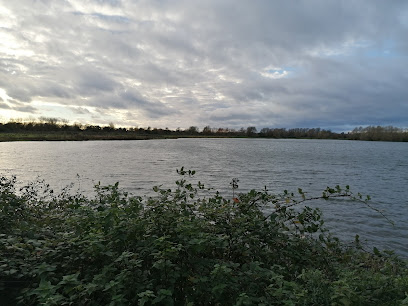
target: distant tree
<point>375,133</point>
<point>93,128</point>
<point>108,129</point>
<point>222,131</point>
<point>251,131</point>
<point>49,120</point>
<point>265,132</point>
<point>192,130</point>
<point>78,126</point>
<point>207,130</point>
<point>16,120</point>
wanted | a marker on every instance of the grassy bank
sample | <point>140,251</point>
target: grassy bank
<point>10,137</point>
<point>60,136</point>
<point>179,248</point>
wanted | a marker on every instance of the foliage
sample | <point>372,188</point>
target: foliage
<point>59,129</point>
<point>379,133</point>
<point>186,246</point>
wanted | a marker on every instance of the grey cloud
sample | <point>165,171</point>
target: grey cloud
<point>19,93</point>
<point>26,109</point>
<point>19,106</point>
<point>4,105</point>
<point>130,99</point>
<point>80,110</point>
<point>171,60</point>
<point>154,109</point>
<point>92,81</point>
<point>232,117</point>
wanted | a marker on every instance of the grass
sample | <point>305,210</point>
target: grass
<point>60,136</point>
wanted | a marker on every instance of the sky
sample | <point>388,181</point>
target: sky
<point>223,63</point>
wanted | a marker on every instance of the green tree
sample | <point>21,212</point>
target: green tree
<point>207,130</point>
<point>192,130</point>
<point>251,131</point>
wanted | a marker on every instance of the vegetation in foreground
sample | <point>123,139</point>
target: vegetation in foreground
<point>59,129</point>
<point>186,246</point>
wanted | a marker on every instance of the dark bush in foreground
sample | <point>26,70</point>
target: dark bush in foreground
<point>178,248</point>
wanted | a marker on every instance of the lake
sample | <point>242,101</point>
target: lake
<point>379,169</point>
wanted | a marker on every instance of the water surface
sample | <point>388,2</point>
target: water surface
<point>379,169</point>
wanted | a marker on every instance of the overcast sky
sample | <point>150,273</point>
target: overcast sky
<point>312,63</point>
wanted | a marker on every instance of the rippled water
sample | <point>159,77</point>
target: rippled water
<point>379,169</point>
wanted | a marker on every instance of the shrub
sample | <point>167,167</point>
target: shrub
<point>187,246</point>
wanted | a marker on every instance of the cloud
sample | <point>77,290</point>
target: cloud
<point>80,110</point>
<point>182,63</point>
<point>26,109</point>
<point>4,105</point>
<point>154,109</point>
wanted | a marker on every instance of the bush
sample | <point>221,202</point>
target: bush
<point>187,246</point>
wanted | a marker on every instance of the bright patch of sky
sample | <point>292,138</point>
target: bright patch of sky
<point>386,49</point>
<point>277,73</point>
<point>3,95</point>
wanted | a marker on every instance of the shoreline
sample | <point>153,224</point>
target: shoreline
<point>17,137</point>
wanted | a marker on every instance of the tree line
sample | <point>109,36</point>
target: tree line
<point>45,125</point>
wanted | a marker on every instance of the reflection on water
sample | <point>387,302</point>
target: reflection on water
<point>376,168</point>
